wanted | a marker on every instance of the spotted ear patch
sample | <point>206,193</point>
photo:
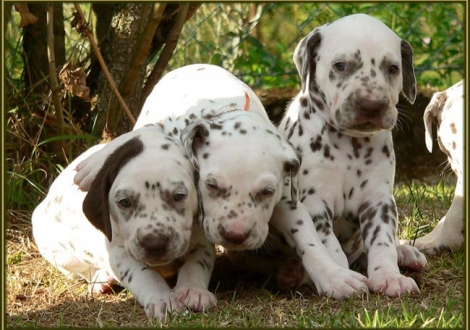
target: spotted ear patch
<point>247,102</point>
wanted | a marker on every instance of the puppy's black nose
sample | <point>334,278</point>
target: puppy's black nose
<point>155,245</point>
<point>370,107</point>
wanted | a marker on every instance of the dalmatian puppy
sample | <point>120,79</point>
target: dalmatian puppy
<point>244,165</point>
<point>447,109</point>
<point>134,224</point>
<point>341,124</point>
<point>240,157</point>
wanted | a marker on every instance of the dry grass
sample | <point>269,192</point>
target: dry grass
<point>39,296</point>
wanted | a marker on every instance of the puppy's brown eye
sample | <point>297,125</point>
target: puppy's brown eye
<point>340,66</point>
<point>393,69</point>
<point>177,197</point>
<point>212,184</point>
<point>267,192</point>
<point>125,203</point>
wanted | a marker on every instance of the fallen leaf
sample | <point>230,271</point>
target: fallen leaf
<point>74,80</point>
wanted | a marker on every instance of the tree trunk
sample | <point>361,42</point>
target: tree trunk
<point>127,23</point>
<point>135,33</point>
<point>35,47</point>
<point>36,73</point>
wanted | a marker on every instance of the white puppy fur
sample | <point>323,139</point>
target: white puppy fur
<point>140,211</point>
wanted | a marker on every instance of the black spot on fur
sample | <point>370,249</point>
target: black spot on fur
<point>356,147</point>
<point>326,151</point>
<point>291,131</point>
<point>316,144</point>
<point>386,151</point>
<point>369,152</point>
<point>306,115</point>
<point>215,126</point>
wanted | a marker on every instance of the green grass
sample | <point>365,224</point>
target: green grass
<point>421,206</point>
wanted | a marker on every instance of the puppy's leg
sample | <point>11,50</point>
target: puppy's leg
<point>378,221</point>
<point>328,277</point>
<point>147,286</point>
<point>194,275</point>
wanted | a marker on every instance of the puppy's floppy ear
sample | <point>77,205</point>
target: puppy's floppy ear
<point>200,214</point>
<point>409,78</point>
<point>96,202</point>
<point>433,110</point>
<point>292,167</point>
<point>291,160</point>
<point>305,56</point>
<point>191,136</point>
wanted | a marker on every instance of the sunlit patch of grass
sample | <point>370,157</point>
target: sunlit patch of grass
<point>420,207</point>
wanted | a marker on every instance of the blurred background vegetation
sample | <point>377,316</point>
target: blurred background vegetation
<point>255,41</point>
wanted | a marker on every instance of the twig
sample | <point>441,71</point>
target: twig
<point>171,42</point>
<point>84,28</point>
<point>53,73</point>
<point>142,48</point>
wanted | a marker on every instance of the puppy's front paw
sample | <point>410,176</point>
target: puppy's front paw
<point>391,283</point>
<point>197,299</point>
<point>410,257</point>
<point>159,306</point>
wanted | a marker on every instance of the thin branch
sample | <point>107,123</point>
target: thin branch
<point>53,74</point>
<point>171,42</point>
<point>84,28</point>
<point>143,44</point>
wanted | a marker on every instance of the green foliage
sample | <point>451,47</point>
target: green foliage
<point>258,48</point>
<point>31,161</point>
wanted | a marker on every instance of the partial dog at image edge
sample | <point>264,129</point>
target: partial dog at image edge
<point>352,72</point>
<point>135,223</point>
<point>247,172</point>
<point>446,109</point>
